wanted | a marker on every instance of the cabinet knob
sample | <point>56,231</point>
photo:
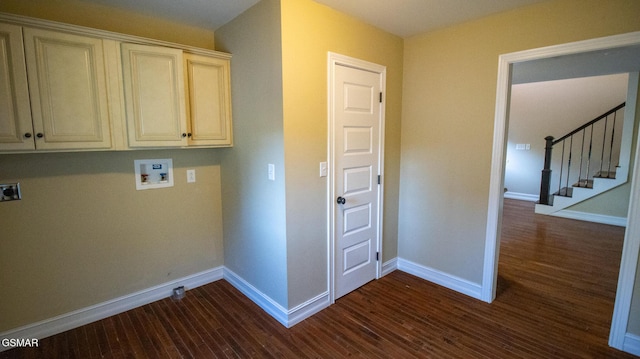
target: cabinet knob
<point>184,135</point>
<point>189,134</point>
<point>39,135</point>
<point>27,135</point>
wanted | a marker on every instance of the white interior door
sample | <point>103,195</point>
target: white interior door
<point>357,115</point>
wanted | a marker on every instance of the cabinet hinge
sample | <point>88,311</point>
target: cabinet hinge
<point>377,256</point>
<point>380,97</point>
<point>378,179</point>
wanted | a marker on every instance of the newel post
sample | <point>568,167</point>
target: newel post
<point>545,183</point>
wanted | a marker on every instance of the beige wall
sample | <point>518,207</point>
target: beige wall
<point>448,113</point>
<point>254,207</point>
<point>82,234</point>
<point>309,31</point>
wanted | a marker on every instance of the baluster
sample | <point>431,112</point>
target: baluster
<point>569,162</point>
<point>613,131</point>
<point>561,167</point>
<point>586,179</point>
<point>581,158</point>
<point>604,140</point>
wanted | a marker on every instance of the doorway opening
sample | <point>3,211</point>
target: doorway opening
<point>552,57</point>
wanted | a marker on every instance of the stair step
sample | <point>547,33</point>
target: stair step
<point>564,192</point>
<point>583,184</point>
<point>606,174</point>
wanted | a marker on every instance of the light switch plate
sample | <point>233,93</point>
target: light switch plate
<point>272,172</point>
<point>323,169</point>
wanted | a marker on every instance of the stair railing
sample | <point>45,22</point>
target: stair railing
<point>585,163</point>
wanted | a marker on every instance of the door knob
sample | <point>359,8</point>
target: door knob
<point>341,200</point>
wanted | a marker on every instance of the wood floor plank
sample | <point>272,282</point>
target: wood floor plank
<point>556,289</point>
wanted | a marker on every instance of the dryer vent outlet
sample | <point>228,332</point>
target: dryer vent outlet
<point>178,293</point>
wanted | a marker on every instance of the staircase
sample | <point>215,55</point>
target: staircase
<point>590,160</point>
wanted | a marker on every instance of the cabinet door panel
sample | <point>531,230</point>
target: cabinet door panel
<point>68,90</point>
<point>154,96</point>
<point>209,103</point>
<point>15,113</point>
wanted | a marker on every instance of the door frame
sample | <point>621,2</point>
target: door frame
<point>333,60</point>
<point>631,246</point>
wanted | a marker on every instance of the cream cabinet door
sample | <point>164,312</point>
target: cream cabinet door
<point>68,90</point>
<point>154,96</point>
<point>209,100</point>
<point>16,132</point>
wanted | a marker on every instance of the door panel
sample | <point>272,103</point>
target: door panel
<point>68,90</point>
<point>357,116</point>
<point>16,132</point>
<point>154,96</point>
<point>209,110</point>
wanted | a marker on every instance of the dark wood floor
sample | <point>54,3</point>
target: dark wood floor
<point>557,281</point>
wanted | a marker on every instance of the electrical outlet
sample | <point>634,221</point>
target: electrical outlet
<point>191,176</point>
<point>10,192</point>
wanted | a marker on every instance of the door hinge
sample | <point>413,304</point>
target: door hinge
<point>378,179</point>
<point>380,97</point>
<point>377,256</point>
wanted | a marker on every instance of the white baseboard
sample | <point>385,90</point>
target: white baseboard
<point>631,344</point>
<point>389,266</point>
<point>308,308</point>
<point>109,308</point>
<point>591,217</point>
<point>446,280</point>
<point>289,317</point>
<point>522,196</point>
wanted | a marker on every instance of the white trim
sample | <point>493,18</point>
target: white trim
<point>262,300</point>
<point>77,318</point>
<point>286,317</point>
<point>334,59</point>
<point>109,308</point>
<point>629,261</point>
<point>522,196</point>
<point>389,266</point>
<point>591,217</point>
<point>441,278</point>
<point>496,186</point>
<point>631,344</point>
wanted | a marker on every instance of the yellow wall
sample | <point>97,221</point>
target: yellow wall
<point>85,13</point>
<point>448,113</point>
<point>82,234</point>
<point>309,31</point>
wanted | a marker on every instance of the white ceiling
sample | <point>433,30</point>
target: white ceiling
<point>410,17</point>
<point>400,17</point>
<point>404,18</point>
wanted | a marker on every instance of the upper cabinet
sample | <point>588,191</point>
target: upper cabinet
<point>174,98</point>
<point>208,93</point>
<point>154,96</point>
<point>69,88</point>
<point>16,131</point>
